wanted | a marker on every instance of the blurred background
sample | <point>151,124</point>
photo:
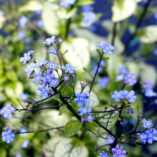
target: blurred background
<point>130,25</point>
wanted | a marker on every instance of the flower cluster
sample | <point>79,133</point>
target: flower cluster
<point>82,99</point>
<point>66,3</point>
<point>149,89</point>
<point>105,47</point>
<point>128,78</point>
<point>124,95</point>
<point>8,136</point>
<point>150,134</point>
<point>45,73</point>
<point>7,111</point>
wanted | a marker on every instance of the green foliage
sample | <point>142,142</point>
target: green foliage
<point>72,127</point>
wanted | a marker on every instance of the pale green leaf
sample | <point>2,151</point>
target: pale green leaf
<point>63,147</point>
<point>148,73</point>
<point>149,34</point>
<point>50,18</point>
<point>123,9</point>
<point>31,6</point>
<point>77,52</point>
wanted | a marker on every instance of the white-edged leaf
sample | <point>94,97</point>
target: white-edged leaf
<point>149,34</point>
<point>31,6</point>
<point>50,18</point>
<point>77,52</point>
<point>62,147</point>
<point>123,9</point>
<point>148,73</point>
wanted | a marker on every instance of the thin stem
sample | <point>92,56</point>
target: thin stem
<point>114,34</point>
<point>96,72</point>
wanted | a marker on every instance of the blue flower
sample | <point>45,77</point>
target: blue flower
<point>50,41</point>
<point>109,140</point>
<point>27,57</point>
<point>89,118</point>
<point>82,98</point>
<point>151,135</point>
<point>25,144</point>
<point>149,89</point>
<point>143,137</point>
<point>67,3</point>
<point>8,136</point>
<point>131,96</point>
<point>24,96</point>
<point>147,124</point>
<point>118,151</point>
<point>68,69</point>
<point>103,82</point>
<point>7,111</point>
<point>103,154</point>
<point>23,21</point>
<point>84,110</point>
<point>88,18</point>
<point>106,47</point>
<point>130,79</point>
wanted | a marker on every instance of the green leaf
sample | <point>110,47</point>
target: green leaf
<point>148,34</point>
<point>31,6</point>
<point>63,110</point>
<point>123,9</point>
<point>50,18</point>
<point>72,127</point>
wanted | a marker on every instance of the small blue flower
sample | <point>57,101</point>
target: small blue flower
<point>147,124</point>
<point>131,96</point>
<point>8,136</point>
<point>103,82</point>
<point>130,79</point>
<point>90,118</point>
<point>82,98</point>
<point>25,144</point>
<point>106,47</point>
<point>84,110</point>
<point>103,154</point>
<point>68,69</point>
<point>7,111</point>
<point>23,21</point>
<point>24,96</point>
<point>109,140</point>
<point>27,57</point>
<point>151,135</point>
<point>149,89</point>
<point>143,137</point>
<point>50,41</point>
<point>118,151</point>
<point>88,19</point>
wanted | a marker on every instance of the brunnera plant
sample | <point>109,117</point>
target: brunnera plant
<point>106,123</point>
